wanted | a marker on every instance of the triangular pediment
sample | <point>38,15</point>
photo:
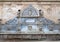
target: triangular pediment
<point>30,11</point>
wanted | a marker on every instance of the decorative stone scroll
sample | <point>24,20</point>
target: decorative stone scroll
<point>12,21</point>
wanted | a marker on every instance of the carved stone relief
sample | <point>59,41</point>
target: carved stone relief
<point>27,20</point>
<point>30,11</point>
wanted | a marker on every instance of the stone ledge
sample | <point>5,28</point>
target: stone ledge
<point>31,0</point>
<point>31,37</point>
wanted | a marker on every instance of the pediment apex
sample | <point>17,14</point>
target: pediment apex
<point>30,11</point>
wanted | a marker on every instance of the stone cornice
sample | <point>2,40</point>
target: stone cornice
<point>29,0</point>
